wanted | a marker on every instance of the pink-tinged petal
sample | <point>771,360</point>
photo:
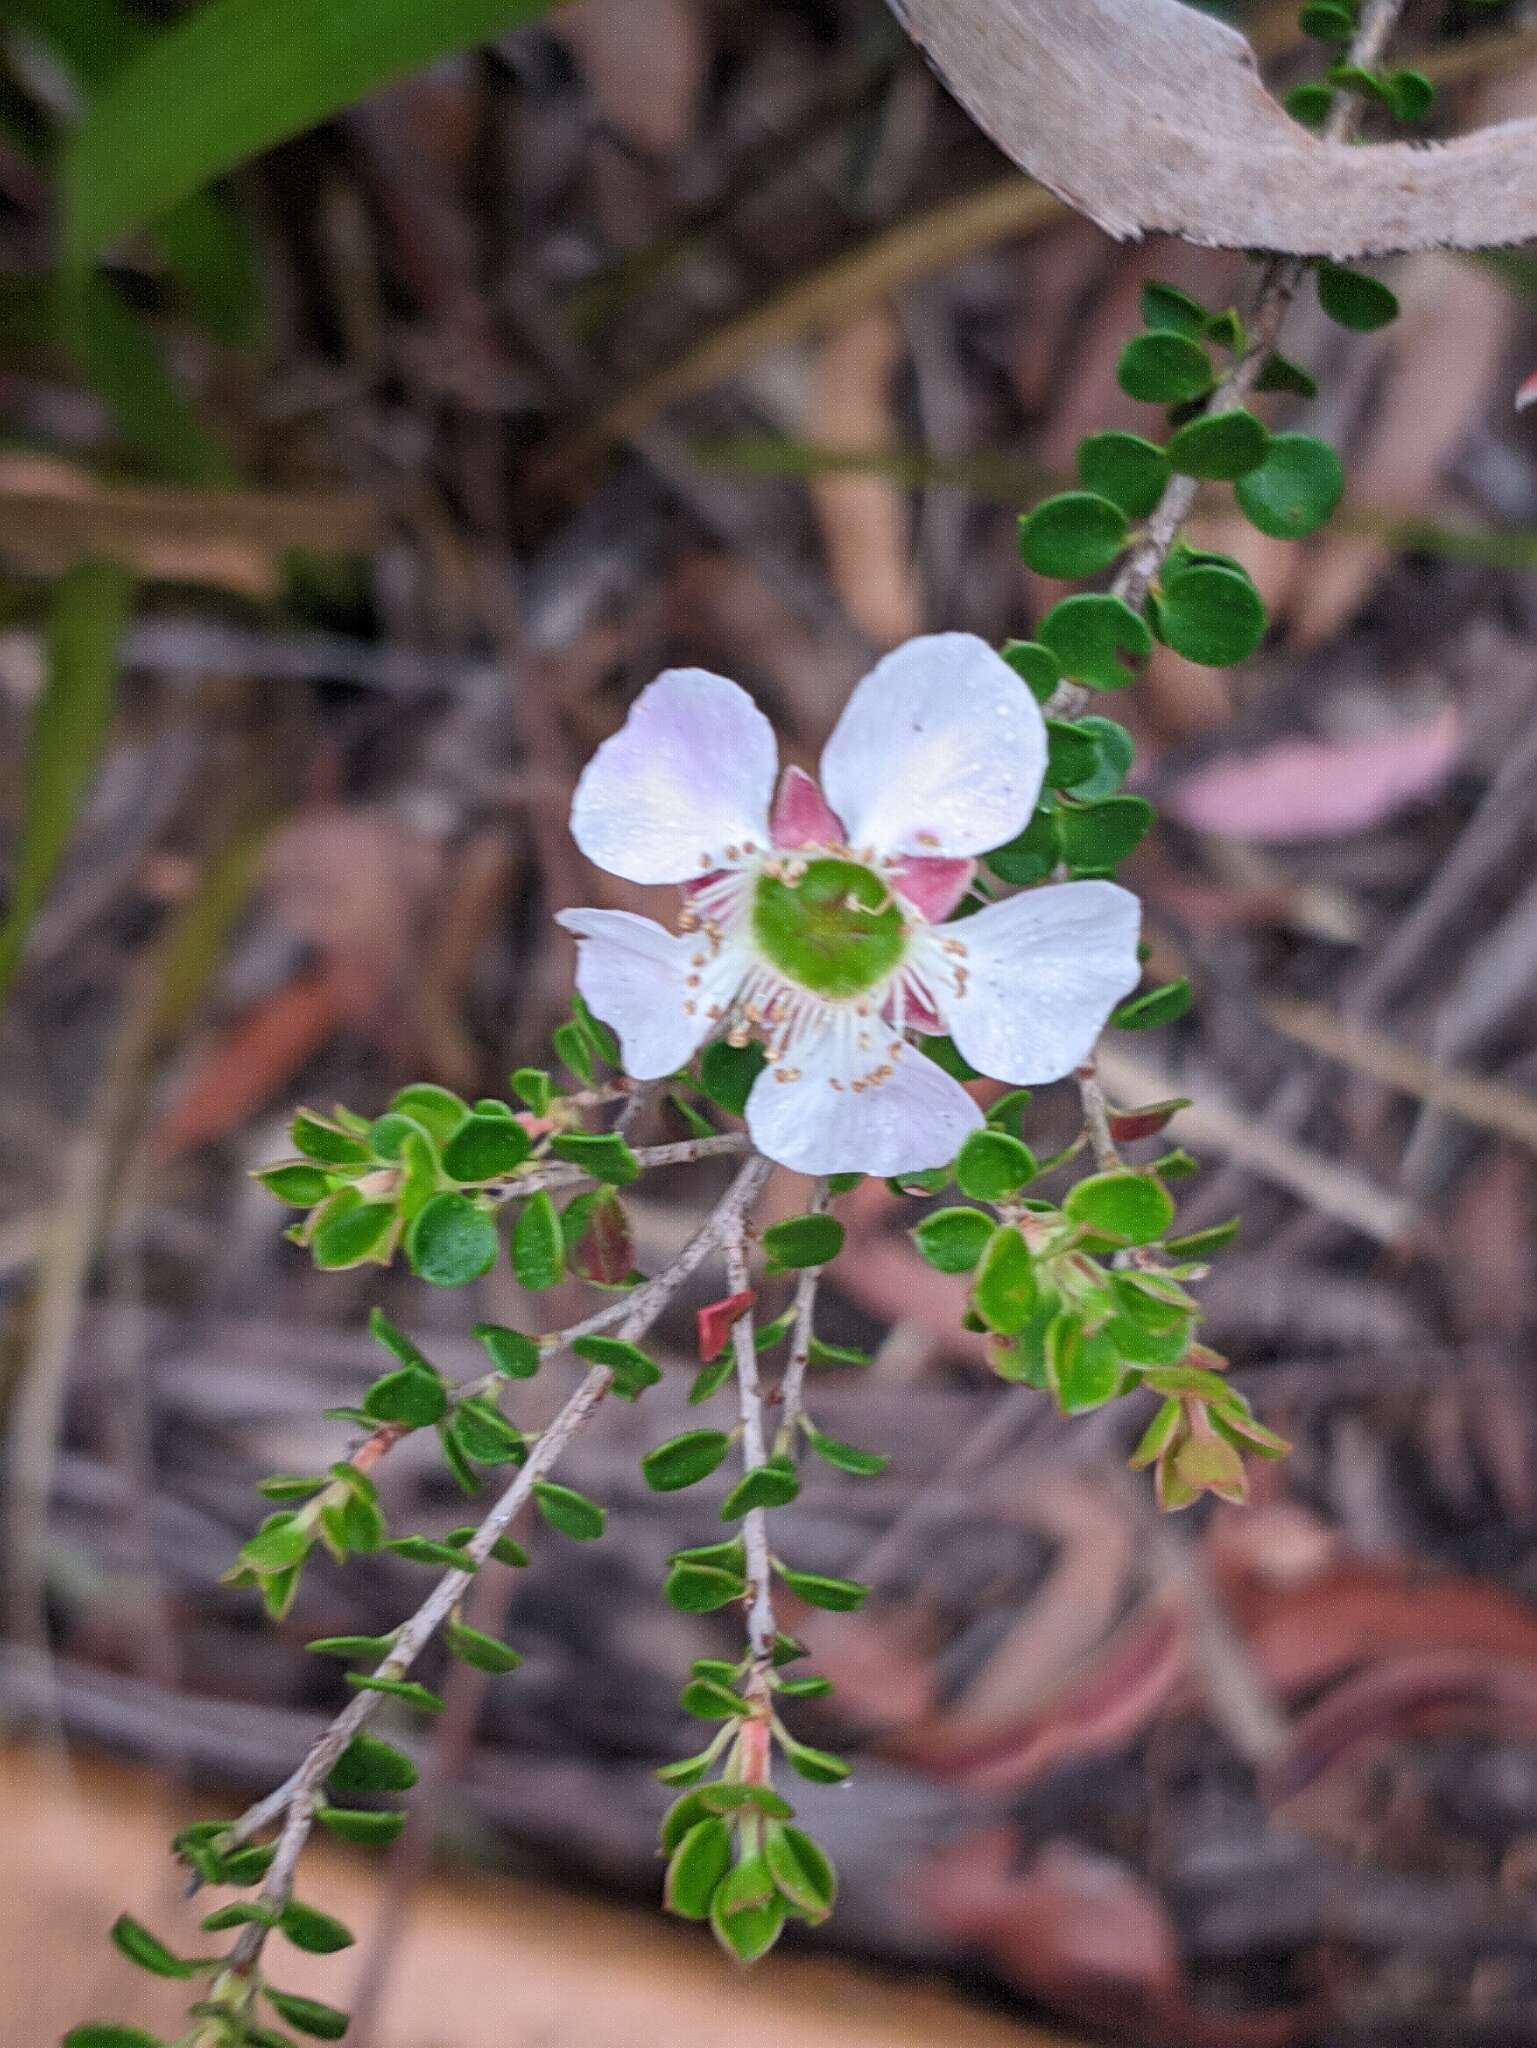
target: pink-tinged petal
<point>940,751</point>
<point>1039,976</point>
<point>839,1107</point>
<point>802,816</point>
<point>932,887</point>
<point>683,786</point>
<point>637,977</point>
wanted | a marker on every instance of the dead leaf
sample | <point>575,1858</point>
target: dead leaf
<point>1320,789</point>
<point>1147,115</point>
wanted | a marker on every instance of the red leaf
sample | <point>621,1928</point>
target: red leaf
<point>605,1253</point>
<point>715,1323</point>
<point>1127,1125</point>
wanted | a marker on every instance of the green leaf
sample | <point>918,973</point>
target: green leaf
<point>1005,1292</point>
<point>1201,1244</point>
<point>387,1134</point>
<point>708,1700</point>
<point>369,1764</point>
<point>817,1766</point>
<point>1309,103</point>
<point>150,1953</point>
<point>801,1869</point>
<point>603,1154</point>
<point>233,79</point>
<point>486,1653</point>
<point>772,1485</point>
<point>1410,94</point>
<point>538,1245</point>
<point>1084,1370</point>
<point>317,1933</point>
<point>1036,665</point>
<point>486,1148</point>
<point>1220,447</point>
<point>414,1396</point>
<point>698,1864</point>
<point>1166,306</point>
<point>952,1240</point>
<point>820,1589</point>
<point>702,1588</point>
<point>451,1241</point>
<point>803,1241</point>
<point>750,1932</point>
<point>1073,535</point>
<point>534,1089</point>
<point>684,1460</point>
<point>353,1824</point>
<point>572,1513</point>
<point>1113,751</point>
<point>1100,835</point>
<point>243,1913</point>
<point>846,1457</point>
<point>1280,373</point>
<point>1329,20</point>
<point>1352,299</point>
<point>485,1434</point>
<point>301,1187</point>
<point>438,1110</point>
<point>722,1798</point>
<point>1295,489</point>
<point>1128,469</point>
<point>372,1647</point>
<point>1162,1005</point>
<point>945,1053</point>
<point>427,1550</point>
<point>1131,1206</point>
<point>991,1165</point>
<point>1071,754</point>
<point>104,2034</point>
<point>1032,856</point>
<point>355,1234</point>
<point>1089,633</point>
<point>633,1369</point>
<point>727,1073</point>
<point>510,1351</point>
<point>307,2015</point>
<point>1164,368</point>
<point>281,1541</point>
<point>318,1137</point>
<point>66,732</point>
<point>406,1689</point>
<point>1212,615</point>
<point>394,1339</point>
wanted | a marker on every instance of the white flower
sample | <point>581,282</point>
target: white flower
<point>813,920</point>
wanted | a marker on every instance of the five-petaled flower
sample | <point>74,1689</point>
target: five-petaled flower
<point>813,920</point>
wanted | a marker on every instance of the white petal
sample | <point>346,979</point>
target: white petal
<point>940,750</point>
<point>1042,972</point>
<point>688,775</point>
<point>913,1117</point>
<point>635,977</point>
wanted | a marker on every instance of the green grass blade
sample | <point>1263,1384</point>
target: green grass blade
<point>232,79</point>
<point>68,731</point>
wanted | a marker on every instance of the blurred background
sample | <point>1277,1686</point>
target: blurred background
<point>709,331</point>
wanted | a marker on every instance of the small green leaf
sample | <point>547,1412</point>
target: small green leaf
<point>1329,20</point>
<point>451,1242</point>
<point>486,1653</point>
<point>485,1434</point>
<point>1352,299</point>
<point>1162,1005</point>
<point>1166,306</point>
<point>991,1166</point>
<point>1220,447</point>
<point>414,1396</point>
<point>406,1689</point>
<point>749,1932</point>
<point>1128,469</point>
<point>486,1148</point>
<point>698,1864</point>
<point>846,1457</point>
<point>1029,858</point>
<point>1113,751</point>
<point>803,1241</point>
<point>801,1868</point>
<point>817,1766</point>
<point>427,1550</point>
<point>1202,1244</point>
<point>1100,835</point>
<point>1280,373</point>
<point>439,1111</point>
<point>1164,368</point>
<point>150,1953</point>
<point>684,1460</point>
<point>1006,1290</point>
<point>1089,633</point>
<point>727,1073</point>
<point>1295,489</point>
<point>243,1913</point>
<point>773,1485</point>
<point>369,1764</point>
<point>820,1589</point>
<point>534,1089</point>
<point>603,1154</point>
<point>318,1138</point>
<point>702,1588</point>
<point>572,1513</point>
<point>372,1647</point>
<point>352,1824</point>
<point>307,2015</point>
<point>104,2034</point>
<point>1071,755</point>
<point>313,1931</point>
<point>538,1245</point>
<point>1073,535</point>
<point>301,1187</point>
<point>1310,103</point>
<point>281,1541</point>
<point>289,1486</point>
<point>510,1351</point>
<point>633,1369</point>
<point>395,1340</point>
<point>1084,1370</point>
<point>1212,615</point>
<point>1410,94</point>
<point>355,1234</point>
<point>707,1700</point>
<point>1130,1206</point>
<point>952,1240</point>
<point>1036,665</point>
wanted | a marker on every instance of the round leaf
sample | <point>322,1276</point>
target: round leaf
<point>992,1165</point>
<point>1220,446</point>
<point>1164,368</point>
<point>1090,632</point>
<point>1125,468</point>
<point>952,1240</point>
<point>1212,615</point>
<point>1099,835</point>
<point>1295,489</point>
<point>804,1240</point>
<point>1131,1206</point>
<point>684,1460</point>
<point>1352,299</point>
<point>451,1242</point>
<point>485,1148</point>
<point>1074,535</point>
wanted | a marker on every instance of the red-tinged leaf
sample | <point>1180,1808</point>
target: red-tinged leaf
<point>1526,394</point>
<point>715,1323</point>
<point>1127,1125</point>
<point>606,1251</point>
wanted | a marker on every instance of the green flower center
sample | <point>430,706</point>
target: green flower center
<point>836,931</point>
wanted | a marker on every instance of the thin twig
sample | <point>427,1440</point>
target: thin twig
<point>565,1174</point>
<point>807,1284</point>
<point>762,1628</point>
